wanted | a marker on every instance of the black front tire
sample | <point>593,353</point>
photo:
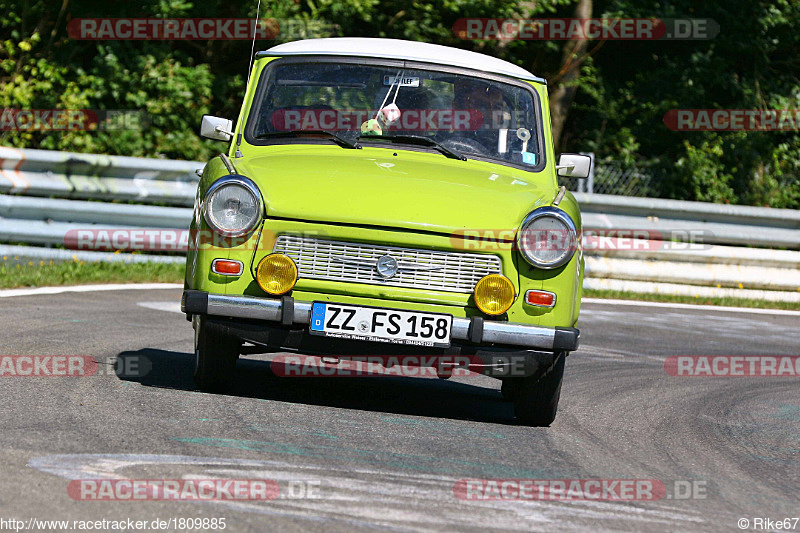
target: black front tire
<point>215,357</point>
<point>536,397</point>
<point>509,388</point>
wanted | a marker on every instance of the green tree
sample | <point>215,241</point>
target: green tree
<point>608,97</point>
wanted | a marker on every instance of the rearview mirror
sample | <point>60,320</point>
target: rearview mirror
<point>219,129</point>
<point>574,165</point>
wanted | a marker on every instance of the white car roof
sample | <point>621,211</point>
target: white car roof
<point>399,49</point>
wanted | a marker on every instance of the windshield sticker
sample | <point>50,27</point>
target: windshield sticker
<point>406,81</point>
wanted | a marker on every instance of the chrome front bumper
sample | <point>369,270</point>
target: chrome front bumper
<point>287,311</point>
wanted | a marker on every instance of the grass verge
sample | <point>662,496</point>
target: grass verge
<point>727,302</point>
<point>45,274</point>
<point>48,274</point>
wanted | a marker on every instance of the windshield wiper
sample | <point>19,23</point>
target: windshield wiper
<point>424,141</point>
<point>341,141</point>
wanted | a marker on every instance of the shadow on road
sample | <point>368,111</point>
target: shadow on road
<point>390,394</point>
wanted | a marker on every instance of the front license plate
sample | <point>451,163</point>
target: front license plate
<point>380,325</point>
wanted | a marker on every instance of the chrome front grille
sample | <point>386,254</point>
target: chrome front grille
<point>417,269</point>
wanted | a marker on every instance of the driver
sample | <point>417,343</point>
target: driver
<point>472,94</point>
<point>476,95</point>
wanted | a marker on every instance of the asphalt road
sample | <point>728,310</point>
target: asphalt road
<point>385,453</point>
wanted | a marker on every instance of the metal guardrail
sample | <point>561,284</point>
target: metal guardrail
<point>98,177</point>
<point>27,208</point>
<point>12,254</point>
<point>710,223</point>
<point>695,273</point>
<point>29,215</point>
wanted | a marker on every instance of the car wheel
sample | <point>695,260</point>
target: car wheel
<point>214,357</point>
<point>536,397</point>
<point>509,387</point>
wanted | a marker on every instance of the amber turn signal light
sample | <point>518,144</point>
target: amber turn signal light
<point>540,298</point>
<point>226,267</point>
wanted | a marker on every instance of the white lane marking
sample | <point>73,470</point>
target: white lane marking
<point>706,308</point>
<point>366,497</point>
<point>172,307</point>
<point>8,293</point>
<point>734,326</point>
<point>599,352</point>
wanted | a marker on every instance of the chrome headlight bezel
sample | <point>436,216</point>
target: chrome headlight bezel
<point>233,180</point>
<point>564,219</point>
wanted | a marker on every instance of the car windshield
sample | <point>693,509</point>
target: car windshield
<point>459,113</point>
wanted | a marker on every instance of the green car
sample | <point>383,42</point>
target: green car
<point>389,198</point>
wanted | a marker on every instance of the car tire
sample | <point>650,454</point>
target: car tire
<point>215,358</point>
<point>536,397</point>
<point>509,388</point>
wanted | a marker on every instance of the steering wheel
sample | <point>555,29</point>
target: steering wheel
<point>464,144</point>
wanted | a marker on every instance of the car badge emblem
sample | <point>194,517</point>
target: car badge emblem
<point>386,266</point>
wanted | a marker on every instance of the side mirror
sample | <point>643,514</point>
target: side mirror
<point>219,129</point>
<point>574,165</point>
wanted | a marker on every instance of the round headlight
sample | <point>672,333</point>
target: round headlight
<point>276,274</point>
<point>233,206</point>
<point>547,238</point>
<point>494,294</point>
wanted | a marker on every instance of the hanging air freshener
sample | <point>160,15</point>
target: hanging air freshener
<point>391,113</point>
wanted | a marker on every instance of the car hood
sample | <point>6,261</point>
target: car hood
<point>411,190</point>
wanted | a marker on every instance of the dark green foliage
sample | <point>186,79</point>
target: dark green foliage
<point>624,89</point>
